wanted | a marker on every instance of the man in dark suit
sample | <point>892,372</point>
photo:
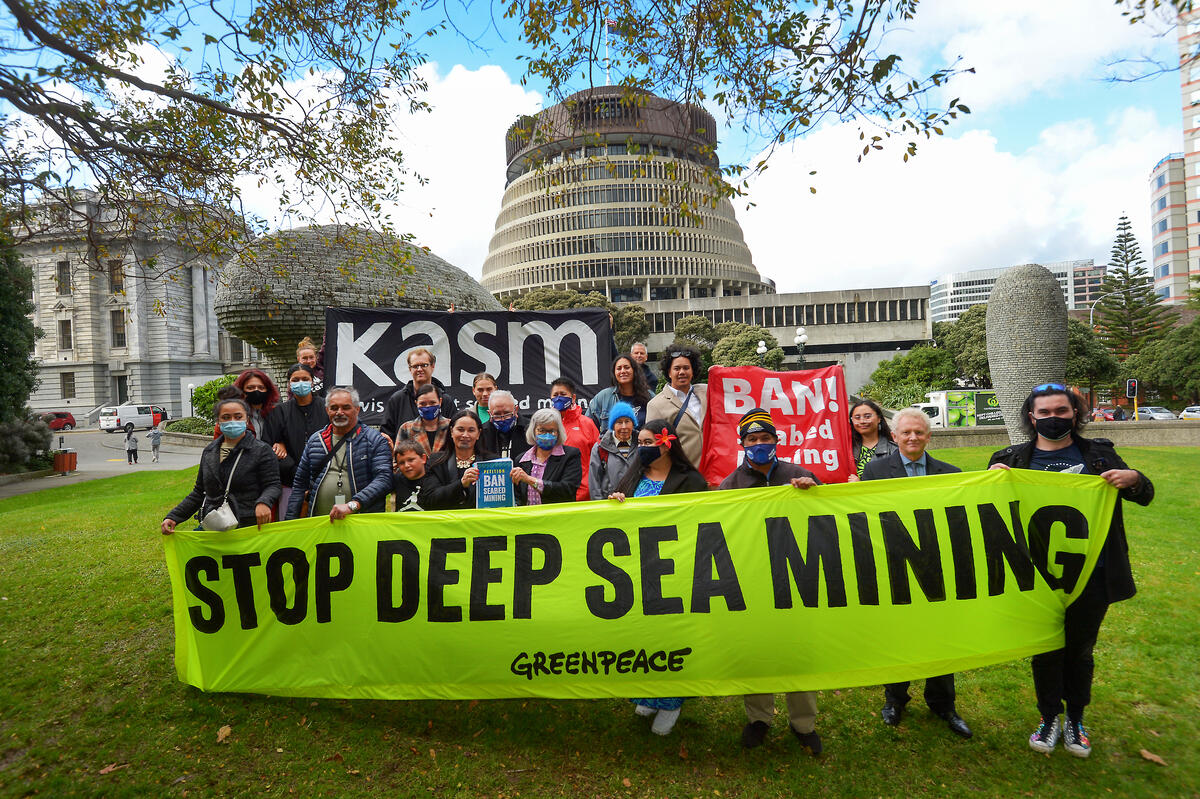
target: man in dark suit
<point>910,430</point>
<point>504,433</point>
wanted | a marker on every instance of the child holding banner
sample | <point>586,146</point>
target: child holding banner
<point>662,468</point>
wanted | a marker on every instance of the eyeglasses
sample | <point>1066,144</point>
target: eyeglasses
<point>412,366</point>
<point>1044,387</point>
<point>504,418</point>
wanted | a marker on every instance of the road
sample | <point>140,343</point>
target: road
<point>103,455</point>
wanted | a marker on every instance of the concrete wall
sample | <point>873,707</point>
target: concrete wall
<point>1124,434</point>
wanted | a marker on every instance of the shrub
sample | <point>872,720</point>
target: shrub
<point>20,442</point>
<point>205,396</point>
<point>191,424</point>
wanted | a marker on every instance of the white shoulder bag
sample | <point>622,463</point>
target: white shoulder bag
<point>222,517</point>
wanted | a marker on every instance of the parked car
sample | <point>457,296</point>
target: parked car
<point>1111,414</point>
<point>1152,412</point>
<point>1190,412</point>
<point>131,417</point>
<point>58,420</point>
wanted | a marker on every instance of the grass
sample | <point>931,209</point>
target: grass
<point>88,684</point>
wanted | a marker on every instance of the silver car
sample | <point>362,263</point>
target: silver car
<point>1155,412</point>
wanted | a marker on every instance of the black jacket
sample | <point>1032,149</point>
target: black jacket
<point>506,445</point>
<point>891,466</point>
<point>256,480</point>
<point>288,425</point>
<point>442,488</point>
<point>746,476</point>
<point>683,481</point>
<point>402,407</point>
<point>424,491</point>
<point>560,480</point>
<point>1098,456</point>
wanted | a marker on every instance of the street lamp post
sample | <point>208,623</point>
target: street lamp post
<point>1095,302</point>
<point>800,340</point>
<point>761,349</point>
<point>191,399</point>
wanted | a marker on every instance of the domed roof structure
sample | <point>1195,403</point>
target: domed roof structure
<point>276,291</point>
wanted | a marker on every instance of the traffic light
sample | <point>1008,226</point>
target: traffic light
<point>1131,388</point>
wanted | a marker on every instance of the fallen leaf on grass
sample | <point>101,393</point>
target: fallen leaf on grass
<point>353,771</point>
<point>335,757</point>
<point>111,767</point>
<point>626,782</point>
<point>1152,732</point>
<point>223,733</point>
<point>1153,758</point>
<point>683,751</point>
<point>433,754</point>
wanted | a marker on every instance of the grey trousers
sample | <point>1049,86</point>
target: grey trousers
<point>801,705</point>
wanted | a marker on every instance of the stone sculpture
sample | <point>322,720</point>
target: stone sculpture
<point>1026,338</point>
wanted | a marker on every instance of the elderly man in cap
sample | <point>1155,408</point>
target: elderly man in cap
<point>760,467</point>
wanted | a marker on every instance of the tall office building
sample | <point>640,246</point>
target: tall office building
<point>592,203</point>
<point>951,295</point>
<point>1169,227</point>
<point>1175,268</point>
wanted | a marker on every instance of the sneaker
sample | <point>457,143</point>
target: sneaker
<point>1075,738</point>
<point>754,733</point>
<point>643,710</point>
<point>1045,737</point>
<point>664,722</point>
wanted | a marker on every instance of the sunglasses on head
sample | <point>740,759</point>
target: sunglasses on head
<point>1044,387</point>
<point>679,354</point>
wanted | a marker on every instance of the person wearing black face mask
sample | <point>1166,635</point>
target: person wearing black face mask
<point>1053,417</point>
<point>761,468</point>
<point>661,468</point>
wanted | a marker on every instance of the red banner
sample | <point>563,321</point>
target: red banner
<point>809,408</point>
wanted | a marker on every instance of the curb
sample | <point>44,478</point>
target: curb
<point>5,479</point>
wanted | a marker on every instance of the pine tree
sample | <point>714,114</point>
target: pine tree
<point>1132,313</point>
<point>17,333</point>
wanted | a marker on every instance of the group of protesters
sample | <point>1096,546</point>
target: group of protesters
<point>309,455</point>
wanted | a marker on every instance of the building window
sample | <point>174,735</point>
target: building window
<point>66,385</point>
<point>1164,292</point>
<point>1162,271</point>
<point>116,276</point>
<point>1162,226</point>
<point>1162,181</point>
<point>62,276</point>
<point>64,334</point>
<point>1163,248</point>
<point>117,320</point>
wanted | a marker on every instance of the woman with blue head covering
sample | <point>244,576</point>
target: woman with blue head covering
<point>614,452</point>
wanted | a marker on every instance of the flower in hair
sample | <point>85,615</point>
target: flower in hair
<point>664,439</point>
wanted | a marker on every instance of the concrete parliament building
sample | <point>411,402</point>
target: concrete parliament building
<point>593,185</point>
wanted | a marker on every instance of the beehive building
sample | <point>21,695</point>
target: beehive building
<point>593,202</point>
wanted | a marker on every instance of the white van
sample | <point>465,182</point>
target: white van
<point>124,418</point>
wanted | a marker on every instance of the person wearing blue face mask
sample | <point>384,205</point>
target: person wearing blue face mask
<point>235,465</point>
<point>582,433</point>
<point>549,471</point>
<point>761,467</point>
<point>430,427</point>
<point>291,423</point>
<point>504,432</point>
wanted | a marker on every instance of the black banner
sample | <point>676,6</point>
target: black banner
<point>525,350</point>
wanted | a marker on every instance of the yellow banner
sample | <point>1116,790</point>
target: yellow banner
<point>720,593</point>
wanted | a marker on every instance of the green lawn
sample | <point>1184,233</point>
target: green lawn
<point>88,683</point>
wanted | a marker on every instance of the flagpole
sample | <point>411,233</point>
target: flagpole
<point>607,79</point>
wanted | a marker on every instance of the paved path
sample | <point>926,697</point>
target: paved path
<point>103,455</point>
